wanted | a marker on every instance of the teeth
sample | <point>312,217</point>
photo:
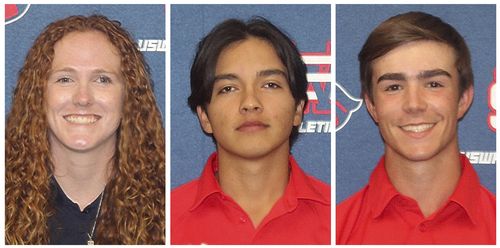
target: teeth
<point>81,119</point>
<point>417,128</point>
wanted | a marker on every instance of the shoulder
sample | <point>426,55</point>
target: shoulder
<point>320,186</point>
<point>347,213</point>
<point>352,203</point>
<point>487,197</point>
<point>308,185</point>
<point>182,198</point>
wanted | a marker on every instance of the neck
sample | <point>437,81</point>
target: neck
<point>82,175</point>
<point>255,184</point>
<point>430,182</point>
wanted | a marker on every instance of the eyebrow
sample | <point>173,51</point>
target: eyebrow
<point>271,72</point>
<point>228,76</point>
<point>392,76</point>
<point>421,75</point>
<point>433,73</point>
<point>73,70</point>
<point>65,69</point>
<point>259,74</point>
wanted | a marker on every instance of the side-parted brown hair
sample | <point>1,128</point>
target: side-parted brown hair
<point>133,209</point>
<point>409,27</point>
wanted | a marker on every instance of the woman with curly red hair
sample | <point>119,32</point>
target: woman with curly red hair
<point>85,158</point>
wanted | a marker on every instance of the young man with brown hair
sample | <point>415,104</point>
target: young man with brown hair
<point>417,83</point>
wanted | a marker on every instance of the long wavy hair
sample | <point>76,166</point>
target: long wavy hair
<point>133,209</point>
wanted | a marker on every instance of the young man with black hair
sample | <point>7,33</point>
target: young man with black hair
<point>417,83</point>
<point>248,89</point>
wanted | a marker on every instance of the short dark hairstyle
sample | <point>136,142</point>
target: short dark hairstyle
<point>234,30</point>
<point>408,27</point>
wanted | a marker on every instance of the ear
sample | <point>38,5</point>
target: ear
<point>370,106</point>
<point>299,111</point>
<point>204,121</point>
<point>465,101</point>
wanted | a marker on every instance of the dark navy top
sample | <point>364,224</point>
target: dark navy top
<point>69,225</point>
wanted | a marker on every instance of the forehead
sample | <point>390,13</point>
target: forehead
<point>415,57</point>
<point>87,48</point>
<point>248,55</point>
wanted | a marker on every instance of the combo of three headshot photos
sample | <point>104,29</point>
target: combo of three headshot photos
<point>223,134</point>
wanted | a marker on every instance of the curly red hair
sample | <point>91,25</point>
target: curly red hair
<point>133,210</point>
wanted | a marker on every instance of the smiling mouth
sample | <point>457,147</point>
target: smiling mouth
<point>82,119</point>
<point>417,128</point>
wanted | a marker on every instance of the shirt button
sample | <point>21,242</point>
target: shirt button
<point>243,220</point>
<point>423,227</point>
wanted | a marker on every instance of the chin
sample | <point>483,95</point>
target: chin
<point>418,156</point>
<point>251,152</point>
<point>78,144</point>
<point>79,147</point>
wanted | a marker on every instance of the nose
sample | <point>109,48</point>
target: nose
<point>414,99</point>
<point>83,95</point>
<point>250,103</point>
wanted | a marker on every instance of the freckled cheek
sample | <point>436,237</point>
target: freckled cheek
<point>56,100</point>
<point>112,102</point>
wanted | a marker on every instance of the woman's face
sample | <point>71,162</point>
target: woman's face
<point>85,93</point>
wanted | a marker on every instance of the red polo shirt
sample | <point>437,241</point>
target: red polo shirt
<point>202,214</point>
<point>378,214</point>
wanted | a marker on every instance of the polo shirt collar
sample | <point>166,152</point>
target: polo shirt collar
<point>381,191</point>
<point>299,185</point>
<point>468,189</point>
<point>207,183</point>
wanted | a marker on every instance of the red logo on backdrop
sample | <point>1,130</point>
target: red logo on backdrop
<point>492,103</point>
<point>10,11</point>
<point>318,109</point>
<point>14,12</point>
<point>321,78</point>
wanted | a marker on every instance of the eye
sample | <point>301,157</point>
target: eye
<point>64,80</point>
<point>393,87</point>
<point>227,89</point>
<point>103,79</point>
<point>271,85</point>
<point>434,84</point>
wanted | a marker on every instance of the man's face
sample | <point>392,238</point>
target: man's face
<point>85,92</point>
<point>252,111</point>
<point>416,100</point>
